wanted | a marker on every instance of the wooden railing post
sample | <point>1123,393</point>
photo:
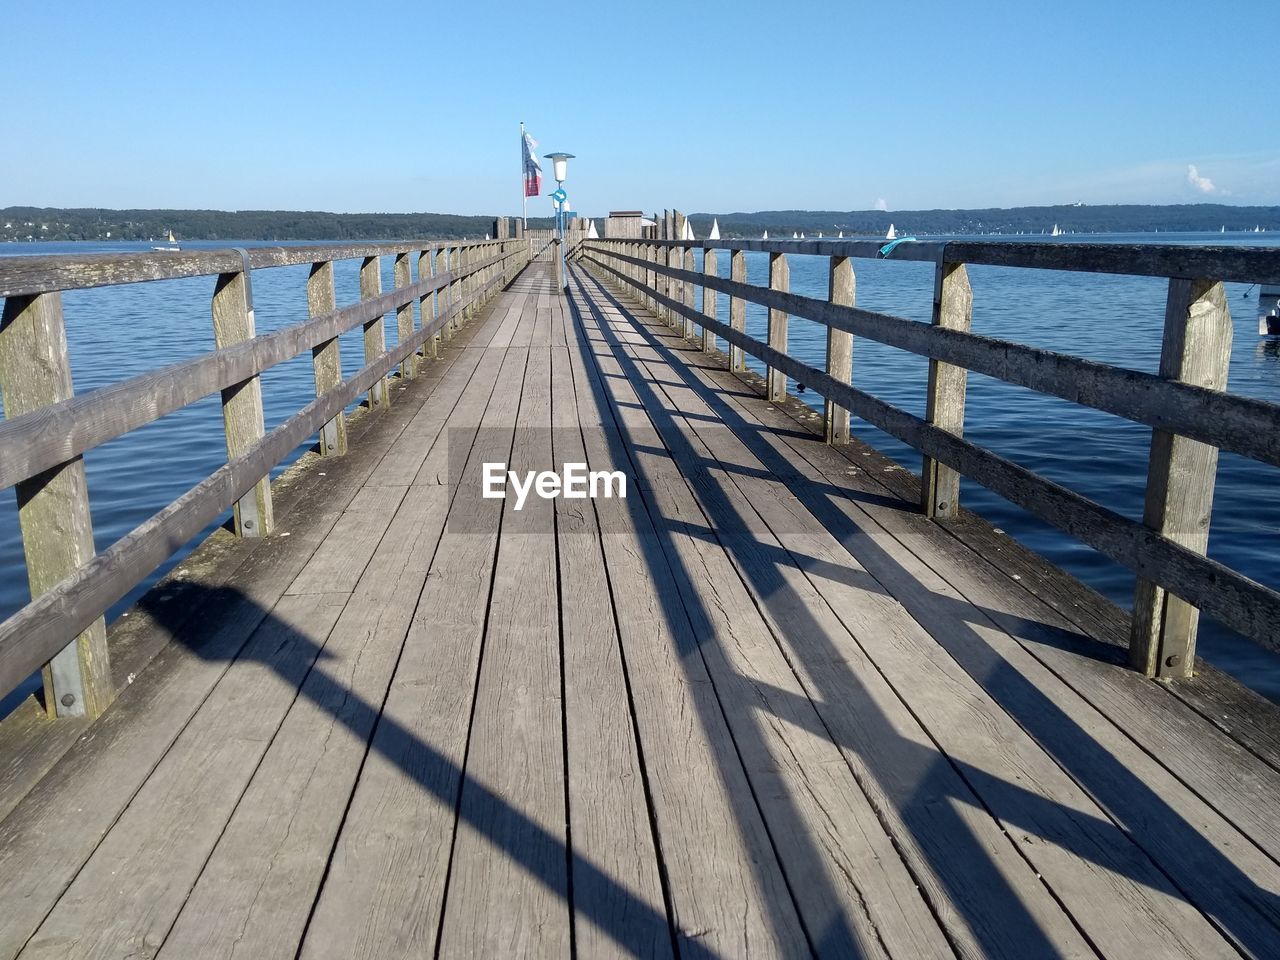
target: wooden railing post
<point>375,337</point>
<point>737,309</point>
<point>446,261</point>
<point>690,291</point>
<point>839,347</point>
<point>557,271</point>
<point>462,259</point>
<point>651,277</point>
<point>427,302</point>
<point>403,276</point>
<point>326,358</point>
<point>53,506</point>
<point>664,257</point>
<point>242,404</point>
<point>709,269</point>
<point>944,407</point>
<point>1180,475</point>
<point>675,258</point>
<point>779,279</point>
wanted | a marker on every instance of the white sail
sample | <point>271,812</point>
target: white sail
<point>591,230</point>
<point>841,237</point>
<point>765,235</point>
<point>819,234</point>
<point>715,230</point>
<point>794,235</point>
<point>892,234</point>
<point>688,231</point>
<point>1056,232</point>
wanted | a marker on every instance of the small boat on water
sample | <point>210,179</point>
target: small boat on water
<point>1056,232</point>
<point>170,247</point>
<point>892,234</point>
<point>765,235</point>
<point>1269,310</point>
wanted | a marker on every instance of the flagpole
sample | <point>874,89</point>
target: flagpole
<point>524,194</point>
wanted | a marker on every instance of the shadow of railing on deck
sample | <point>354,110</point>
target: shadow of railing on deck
<point>1247,913</point>
<point>488,814</point>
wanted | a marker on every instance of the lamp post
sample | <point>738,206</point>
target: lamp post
<point>560,169</point>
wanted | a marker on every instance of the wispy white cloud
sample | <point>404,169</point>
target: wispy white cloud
<point>882,204</point>
<point>1203,184</point>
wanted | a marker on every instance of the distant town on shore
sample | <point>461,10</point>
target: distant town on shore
<point>60,224</point>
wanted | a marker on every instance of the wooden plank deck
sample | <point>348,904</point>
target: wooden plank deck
<point>760,707</point>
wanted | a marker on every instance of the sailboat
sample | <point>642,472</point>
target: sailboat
<point>1224,229</point>
<point>172,245</point>
<point>892,234</point>
<point>841,237</point>
<point>1056,232</point>
<point>765,235</point>
<point>715,230</point>
<point>794,235</point>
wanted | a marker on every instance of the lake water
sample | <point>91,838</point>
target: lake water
<point>118,332</point>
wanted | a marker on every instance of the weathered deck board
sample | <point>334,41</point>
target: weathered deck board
<point>846,878</point>
<point>727,891</point>
<point>508,885</point>
<point>385,888</point>
<point>617,888</point>
<point>1100,877</point>
<point>256,893</point>
<point>760,707</point>
<point>52,828</point>
<point>1182,834</point>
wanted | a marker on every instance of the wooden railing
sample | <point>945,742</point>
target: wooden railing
<point>49,427</point>
<point>1185,404</point>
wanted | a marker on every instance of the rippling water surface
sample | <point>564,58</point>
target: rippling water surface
<point>118,332</point>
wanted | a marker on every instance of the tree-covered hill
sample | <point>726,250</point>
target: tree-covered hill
<point>51,223</point>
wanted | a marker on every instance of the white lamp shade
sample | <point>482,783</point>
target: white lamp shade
<point>560,165</point>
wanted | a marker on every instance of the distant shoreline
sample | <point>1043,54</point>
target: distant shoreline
<point>34,224</point>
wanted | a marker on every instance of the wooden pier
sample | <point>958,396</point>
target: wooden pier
<point>783,699</point>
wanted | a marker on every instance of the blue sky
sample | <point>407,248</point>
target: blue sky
<point>706,106</point>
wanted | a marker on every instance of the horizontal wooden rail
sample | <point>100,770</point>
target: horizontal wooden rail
<point>34,634</point>
<point>1236,600</point>
<point>1228,421</point>
<point>1243,264</point>
<point>40,274</point>
<point>50,435</point>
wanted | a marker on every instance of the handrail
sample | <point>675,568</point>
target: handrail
<point>1243,264</point>
<point>50,427</point>
<point>1228,421</point>
<point>1167,549</point>
<point>41,274</point>
<point>33,442</point>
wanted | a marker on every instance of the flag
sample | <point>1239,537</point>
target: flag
<point>532,171</point>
